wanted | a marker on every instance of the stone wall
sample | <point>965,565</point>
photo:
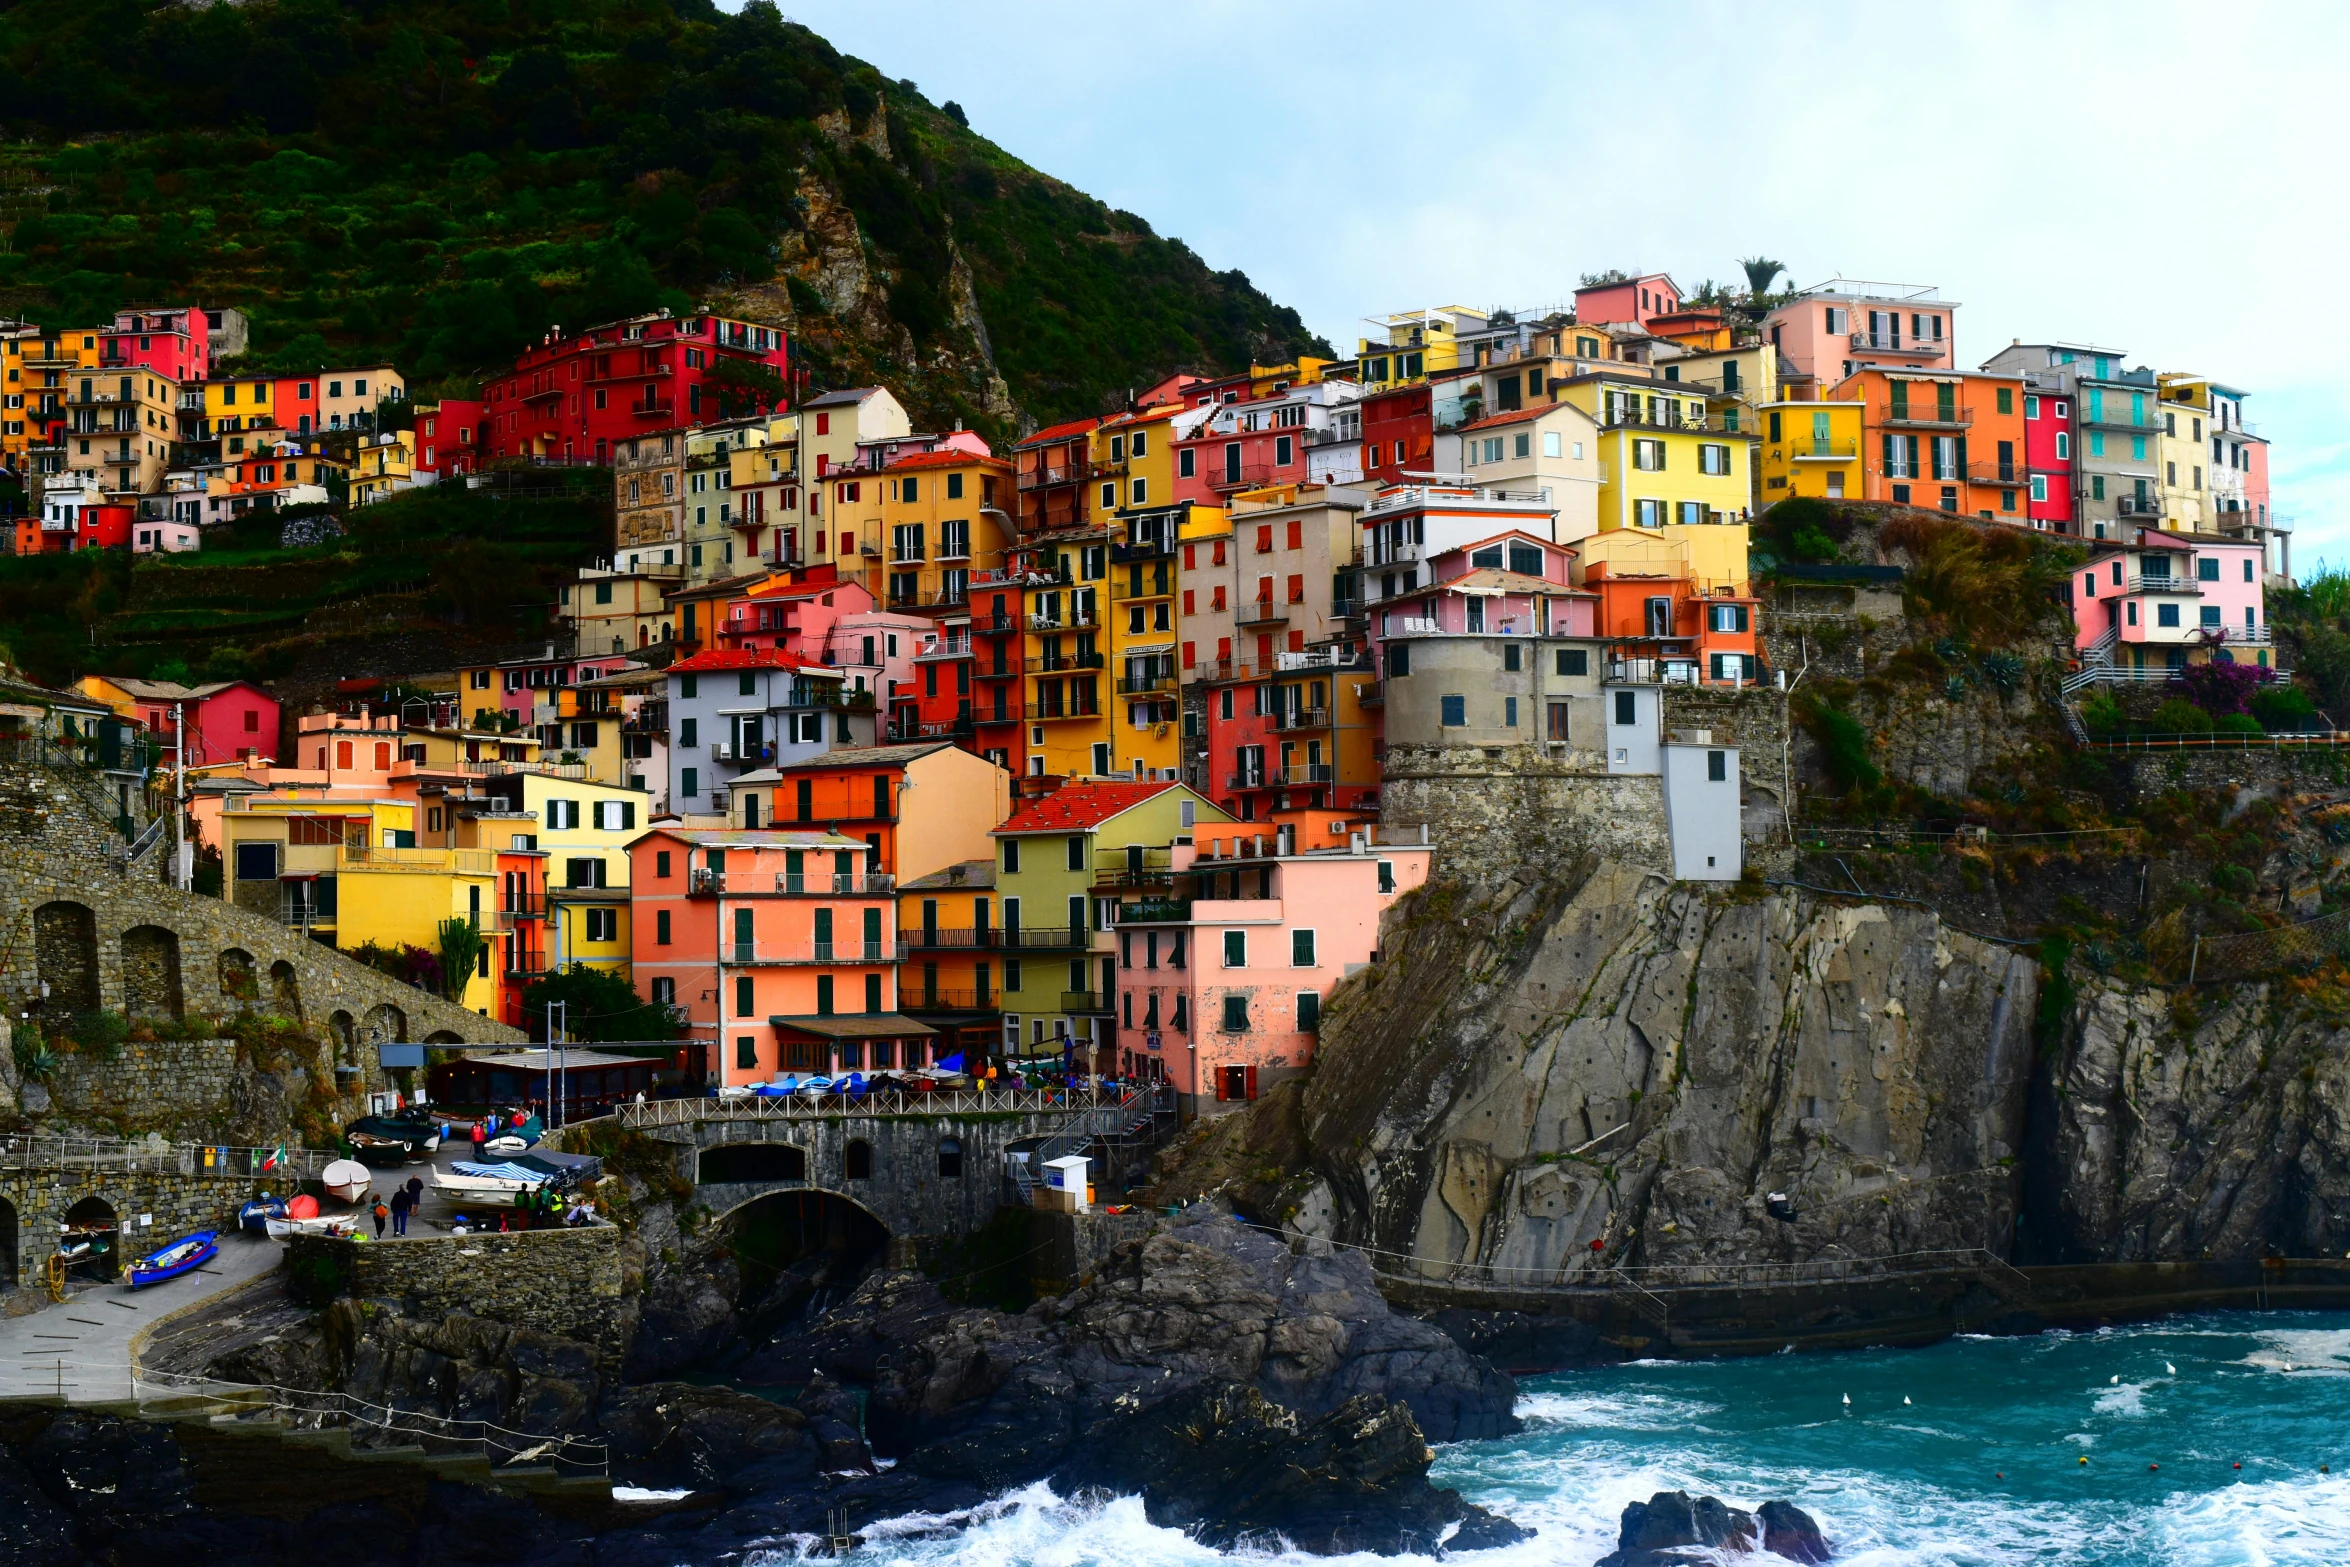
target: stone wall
<point>576,1284</point>
<point>169,1084</point>
<point>1492,809</point>
<point>2272,771</point>
<point>32,1203</point>
<point>101,937</point>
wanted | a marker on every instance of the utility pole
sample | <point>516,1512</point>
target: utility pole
<point>179,789</point>
<point>554,1071</point>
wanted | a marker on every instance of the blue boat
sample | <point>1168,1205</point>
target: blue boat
<point>184,1255</point>
<point>254,1217</point>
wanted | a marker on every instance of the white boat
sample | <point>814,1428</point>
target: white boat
<point>346,1180</point>
<point>485,1185</point>
<point>322,1224</point>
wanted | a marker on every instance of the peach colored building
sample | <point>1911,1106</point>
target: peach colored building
<point>1224,999</point>
<point>1830,330</point>
<point>779,948</point>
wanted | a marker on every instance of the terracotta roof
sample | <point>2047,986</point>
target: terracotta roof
<point>1517,415</point>
<point>749,658</point>
<point>1077,805</point>
<point>757,838</point>
<point>951,457</point>
<point>1060,432</point>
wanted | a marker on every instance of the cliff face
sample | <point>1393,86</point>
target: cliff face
<point>1611,1069</point>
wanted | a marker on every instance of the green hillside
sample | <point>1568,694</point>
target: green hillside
<point>440,181</point>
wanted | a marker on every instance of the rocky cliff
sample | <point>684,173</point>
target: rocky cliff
<point>1550,1075</point>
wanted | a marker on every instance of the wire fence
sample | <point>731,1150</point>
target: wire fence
<point>2252,952</point>
<point>373,1425</point>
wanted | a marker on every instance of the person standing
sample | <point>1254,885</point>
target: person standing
<point>381,1212</point>
<point>401,1202</point>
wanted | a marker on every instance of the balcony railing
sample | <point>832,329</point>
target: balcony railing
<point>517,912</point>
<point>1045,475</point>
<point>704,884</point>
<point>2138,506</point>
<point>1151,585</point>
<point>1260,612</point>
<point>1141,550</point>
<point>1118,868</point>
<point>834,884</point>
<point>1047,938</point>
<point>1301,718</point>
<point>1811,450</point>
<point>1095,1001</point>
<point>1305,773</point>
<point>2149,423</point>
<point>1891,343</point>
<point>942,938</point>
<point>1944,416</point>
<point>1371,693</point>
<point>1145,685</point>
<point>1998,473</point>
<point>940,998</point>
<point>846,952</point>
<point>1247,778</point>
<point>2185,587</point>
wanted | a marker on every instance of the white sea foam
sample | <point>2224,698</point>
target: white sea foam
<point>2127,1400</point>
<point>1629,1409</point>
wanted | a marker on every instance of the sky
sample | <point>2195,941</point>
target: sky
<point>2160,180</point>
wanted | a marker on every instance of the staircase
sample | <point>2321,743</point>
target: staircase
<point>1121,1131</point>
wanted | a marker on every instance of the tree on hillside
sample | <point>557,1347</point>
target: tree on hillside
<point>744,386</point>
<point>1760,272</point>
<point>599,1007</point>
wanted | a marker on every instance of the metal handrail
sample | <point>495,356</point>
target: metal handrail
<point>28,1151</point>
<point>821,1107</point>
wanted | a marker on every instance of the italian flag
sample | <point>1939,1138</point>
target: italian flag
<point>275,1158</point>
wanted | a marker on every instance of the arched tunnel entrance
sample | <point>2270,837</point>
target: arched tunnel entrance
<point>798,1254</point>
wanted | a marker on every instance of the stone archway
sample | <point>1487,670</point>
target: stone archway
<point>386,1024</point>
<point>151,972</point>
<point>799,1253</point>
<point>441,1036</point>
<point>240,980</point>
<point>97,1211</point>
<point>65,953</point>
<point>285,990</point>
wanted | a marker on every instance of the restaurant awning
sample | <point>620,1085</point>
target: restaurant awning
<point>855,1025</point>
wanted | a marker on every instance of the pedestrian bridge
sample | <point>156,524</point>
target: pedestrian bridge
<point>922,1164</point>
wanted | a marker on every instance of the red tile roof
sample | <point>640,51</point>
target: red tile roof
<point>1062,432</point>
<point>747,658</point>
<point>1513,416</point>
<point>950,458</point>
<point>1080,805</point>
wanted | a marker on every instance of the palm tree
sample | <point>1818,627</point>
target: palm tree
<point>1759,273</point>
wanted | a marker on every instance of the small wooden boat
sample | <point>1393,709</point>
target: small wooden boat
<point>346,1180</point>
<point>254,1217</point>
<point>315,1224</point>
<point>184,1255</point>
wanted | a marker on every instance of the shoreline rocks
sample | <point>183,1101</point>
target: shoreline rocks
<point>1675,1529</point>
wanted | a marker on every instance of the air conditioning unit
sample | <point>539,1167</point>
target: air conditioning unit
<point>720,751</point>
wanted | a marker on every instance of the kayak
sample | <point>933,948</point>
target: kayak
<point>184,1255</point>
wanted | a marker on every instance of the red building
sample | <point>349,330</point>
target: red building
<point>1639,300</point>
<point>1399,434</point>
<point>105,528</point>
<point>570,398</point>
<point>2049,457</point>
<point>175,342</point>
<point>445,437</point>
<point>1050,470</point>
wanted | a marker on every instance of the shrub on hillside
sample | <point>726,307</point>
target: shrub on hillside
<point>2178,716</point>
<point>2222,688</point>
<point>2284,709</point>
<point>1985,584</point>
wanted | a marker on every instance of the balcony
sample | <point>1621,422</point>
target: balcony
<point>1301,718</point>
<point>653,408</point>
<point>833,884</point>
<point>1157,584</point>
<point>526,966</point>
<point>1093,1001</point>
<point>2177,587</point>
<point>945,648</point>
<point>705,884</point>
<point>1046,475</point>
<point>1141,550</point>
<point>1146,685</point>
<point>1891,343</point>
<point>1136,868</point>
<point>1303,774</point>
<point>1261,612</point>
<point>2009,473</point>
<point>1047,938</point>
<point>514,913</point>
<point>1243,476</point>
<point>1045,714</point>
<point>1939,416</point>
<point>2138,506</point>
<point>1371,693</point>
<point>941,938</point>
<point>1627,418</point>
<point>1246,778</point>
<point>2088,413</point>
<point>939,998</point>
<point>821,952</point>
<point>1063,663</point>
<point>1822,451</point>
<point>1158,911</point>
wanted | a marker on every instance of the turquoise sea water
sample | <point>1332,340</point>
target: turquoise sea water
<point>1980,1468</point>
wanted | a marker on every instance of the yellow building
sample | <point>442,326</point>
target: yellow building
<point>1133,463</point>
<point>584,830</point>
<point>349,872</point>
<point>119,427</point>
<point>584,721</point>
<point>1811,448</point>
<point>1414,345</point>
<point>1712,555</point>
<point>1665,456</point>
<point>764,474</point>
<point>39,364</point>
<point>381,468</point>
<point>2183,455</point>
<point>620,611</point>
<point>942,517</point>
<point>831,428</point>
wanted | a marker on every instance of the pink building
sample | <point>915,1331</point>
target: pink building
<point>1226,1000</point>
<point>1827,332</point>
<point>1637,300</point>
<point>2160,600</point>
<point>780,947</point>
<point>2049,440</point>
<point>517,686</point>
<point>176,342</point>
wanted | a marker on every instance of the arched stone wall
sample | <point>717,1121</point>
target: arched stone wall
<point>385,1024</point>
<point>285,990</point>
<point>240,978</point>
<point>65,947</point>
<point>151,973</point>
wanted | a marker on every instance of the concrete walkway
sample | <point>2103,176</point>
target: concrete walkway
<point>81,1347</point>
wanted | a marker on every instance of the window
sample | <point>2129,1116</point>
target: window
<point>661,927</point>
<point>745,1000</point>
<point>256,862</point>
<point>1573,661</point>
<point>1717,767</point>
<point>2166,614</point>
<point>1012,856</point>
<point>1509,712</point>
<point>1284,447</point>
<point>1309,1011</point>
<point>1236,949</point>
<point>1550,443</point>
<point>1648,456</point>
<point>2039,487</point>
<point>1076,854</point>
<point>1186,464</point>
<point>689,781</point>
<point>1627,707</point>
<point>1455,711</point>
<point>1235,1020</point>
<point>1399,664</point>
<point>1713,459</point>
<point>2210,616</point>
<point>1510,657</point>
<point>2005,398</point>
<point>2207,568</point>
<point>664,992</point>
<point>1726,617</point>
<point>1301,949</point>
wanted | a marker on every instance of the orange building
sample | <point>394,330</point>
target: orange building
<point>1661,623</point>
<point>1952,440</point>
<point>779,947</point>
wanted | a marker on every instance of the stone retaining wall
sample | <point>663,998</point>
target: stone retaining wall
<point>168,1084</point>
<point>33,1203</point>
<point>1490,810</point>
<point>578,1284</point>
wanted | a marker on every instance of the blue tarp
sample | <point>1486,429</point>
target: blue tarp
<point>499,1172</point>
